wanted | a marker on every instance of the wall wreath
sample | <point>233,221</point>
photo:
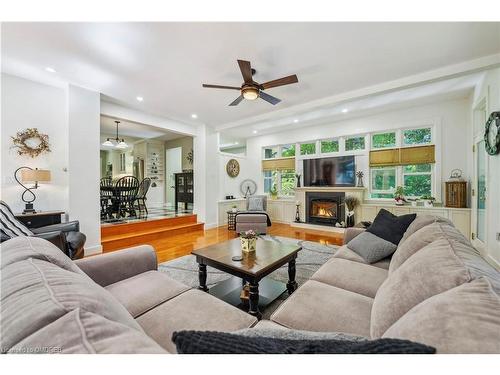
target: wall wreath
<point>31,142</point>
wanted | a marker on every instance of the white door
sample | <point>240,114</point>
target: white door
<point>173,164</point>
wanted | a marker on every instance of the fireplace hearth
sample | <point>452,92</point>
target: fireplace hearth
<point>325,208</point>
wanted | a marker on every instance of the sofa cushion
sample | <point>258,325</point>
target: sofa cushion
<point>192,310</point>
<point>422,221</point>
<point>422,238</point>
<point>35,293</point>
<point>84,332</point>
<point>352,276</point>
<point>317,306</point>
<point>390,227</point>
<point>432,270</point>
<point>344,252</point>
<point>251,218</point>
<point>142,292</point>
<point>465,319</point>
<point>371,247</point>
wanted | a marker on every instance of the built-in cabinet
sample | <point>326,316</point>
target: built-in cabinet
<point>460,217</point>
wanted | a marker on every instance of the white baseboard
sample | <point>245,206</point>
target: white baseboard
<point>93,250</point>
<point>317,227</point>
<point>212,225</point>
<point>495,263</point>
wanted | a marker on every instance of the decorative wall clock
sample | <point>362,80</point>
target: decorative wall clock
<point>492,134</point>
<point>31,142</point>
<point>233,168</point>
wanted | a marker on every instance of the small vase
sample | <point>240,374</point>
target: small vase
<point>248,245</point>
<point>350,221</point>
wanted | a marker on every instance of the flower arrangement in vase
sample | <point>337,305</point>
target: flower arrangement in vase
<point>350,202</point>
<point>248,241</point>
<point>399,196</point>
<point>234,208</point>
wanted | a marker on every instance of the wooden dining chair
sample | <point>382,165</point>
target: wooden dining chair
<point>126,189</point>
<point>141,194</point>
<point>106,192</point>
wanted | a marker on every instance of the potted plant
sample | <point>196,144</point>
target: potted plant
<point>399,196</point>
<point>428,200</point>
<point>273,192</point>
<point>413,201</point>
<point>234,208</point>
<point>248,241</point>
<point>350,202</point>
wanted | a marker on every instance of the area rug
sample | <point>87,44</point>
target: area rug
<point>309,259</point>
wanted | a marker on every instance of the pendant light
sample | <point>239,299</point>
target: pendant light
<point>117,142</point>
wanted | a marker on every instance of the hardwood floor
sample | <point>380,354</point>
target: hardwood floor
<point>182,244</point>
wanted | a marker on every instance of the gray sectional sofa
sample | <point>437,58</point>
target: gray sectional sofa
<point>436,289</point>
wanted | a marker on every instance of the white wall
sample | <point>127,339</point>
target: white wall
<point>84,163</point>
<point>451,116</point>
<point>490,88</point>
<point>27,104</point>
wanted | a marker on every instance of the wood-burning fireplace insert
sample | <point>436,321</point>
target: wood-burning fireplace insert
<point>325,208</point>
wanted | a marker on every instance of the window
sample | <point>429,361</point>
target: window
<point>329,146</point>
<point>383,182</point>
<point>287,150</point>
<point>270,152</point>
<point>355,143</point>
<point>268,181</point>
<point>384,140</point>
<point>413,137</point>
<point>307,148</point>
<point>287,183</point>
<point>417,180</point>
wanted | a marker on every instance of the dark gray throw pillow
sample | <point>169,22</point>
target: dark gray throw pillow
<point>371,247</point>
<point>390,227</point>
<point>198,342</point>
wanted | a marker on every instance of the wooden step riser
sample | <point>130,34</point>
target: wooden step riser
<point>116,229</point>
<point>142,239</point>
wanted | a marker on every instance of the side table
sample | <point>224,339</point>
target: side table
<point>40,219</point>
<point>231,220</point>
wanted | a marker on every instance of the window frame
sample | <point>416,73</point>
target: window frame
<point>373,191</point>
<point>315,153</point>
<point>396,143</point>
<point>431,173</point>
<point>357,151</point>
<point>278,182</point>
<point>402,136</point>
<point>337,139</point>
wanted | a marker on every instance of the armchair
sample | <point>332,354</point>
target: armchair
<point>66,236</point>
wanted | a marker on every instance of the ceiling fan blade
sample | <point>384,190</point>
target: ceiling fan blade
<point>269,98</point>
<point>280,82</point>
<point>221,87</point>
<point>246,71</point>
<point>237,100</point>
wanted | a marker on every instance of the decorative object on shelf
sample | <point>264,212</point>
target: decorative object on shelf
<point>297,212</point>
<point>340,224</point>
<point>31,175</point>
<point>351,202</point>
<point>248,241</point>
<point>359,175</point>
<point>116,142</point>
<point>413,201</point>
<point>273,193</point>
<point>247,188</point>
<point>492,134</point>
<point>31,142</point>
<point>234,208</point>
<point>190,156</point>
<point>399,196</point>
<point>233,168</point>
<point>456,190</point>
<point>297,176</point>
<point>428,200</point>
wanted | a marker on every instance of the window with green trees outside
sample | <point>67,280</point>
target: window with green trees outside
<point>384,140</point>
<point>287,150</point>
<point>270,152</point>
<point>308,148</point>
<point>417,136</point>
<point>417,180</point>
<point>331,145</point>
<point>287,182</point>
<point>383,182</point>
<point>355,143</point>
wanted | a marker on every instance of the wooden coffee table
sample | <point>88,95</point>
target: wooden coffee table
<point>268,257</point>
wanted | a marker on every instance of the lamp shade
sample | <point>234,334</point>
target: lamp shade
<point>35,175</point>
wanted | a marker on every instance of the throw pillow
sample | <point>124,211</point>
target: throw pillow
<point>371,247</point>
<point>390,227</point>
<point>255,204</point>
<point>198,342</point>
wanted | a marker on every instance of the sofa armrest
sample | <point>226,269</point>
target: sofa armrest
<point>56,237</point>
<point>119,265</point>
<point>70,226</point>
<point>352,232</point>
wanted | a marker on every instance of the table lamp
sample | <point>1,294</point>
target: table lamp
<point>34,176</point>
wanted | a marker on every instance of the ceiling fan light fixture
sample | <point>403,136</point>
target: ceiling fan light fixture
<point>250,93</point>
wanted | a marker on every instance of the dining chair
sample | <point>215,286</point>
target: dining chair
<point>141,194</point>
<point>126,189</point>
<point>106,193</point>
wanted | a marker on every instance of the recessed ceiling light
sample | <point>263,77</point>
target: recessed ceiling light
<point>237,143</point>
<point>296,120</point>
<point>345,110</point>
<point>50,70</point>
<point>194,115</point>
<point>255,132</point>
<point>139,98</point>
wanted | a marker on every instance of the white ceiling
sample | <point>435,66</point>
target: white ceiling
<point>135,130</point>
<point>166,63</point>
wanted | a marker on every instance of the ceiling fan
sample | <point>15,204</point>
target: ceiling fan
<point>252,90</point>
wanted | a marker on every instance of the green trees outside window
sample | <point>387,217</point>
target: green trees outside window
<point>270,152</point>
<point>307,148</point>
<point>355,143</point>
<point>384,140</point>
<point>287,150</point>
<point>287,182</point>
<point>417,136</point>
<point>329,146</point>
<point>417,180</point>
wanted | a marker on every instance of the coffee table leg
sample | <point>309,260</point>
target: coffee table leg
<point>254,300</point>
<point>292,284</point>
<point>202,276</point>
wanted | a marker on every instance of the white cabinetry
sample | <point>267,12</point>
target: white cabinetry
<point>279,210</point>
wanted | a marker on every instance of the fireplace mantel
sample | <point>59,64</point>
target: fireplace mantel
<point>346,189</point>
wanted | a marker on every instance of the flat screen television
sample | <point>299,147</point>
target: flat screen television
<point>337,171</point>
